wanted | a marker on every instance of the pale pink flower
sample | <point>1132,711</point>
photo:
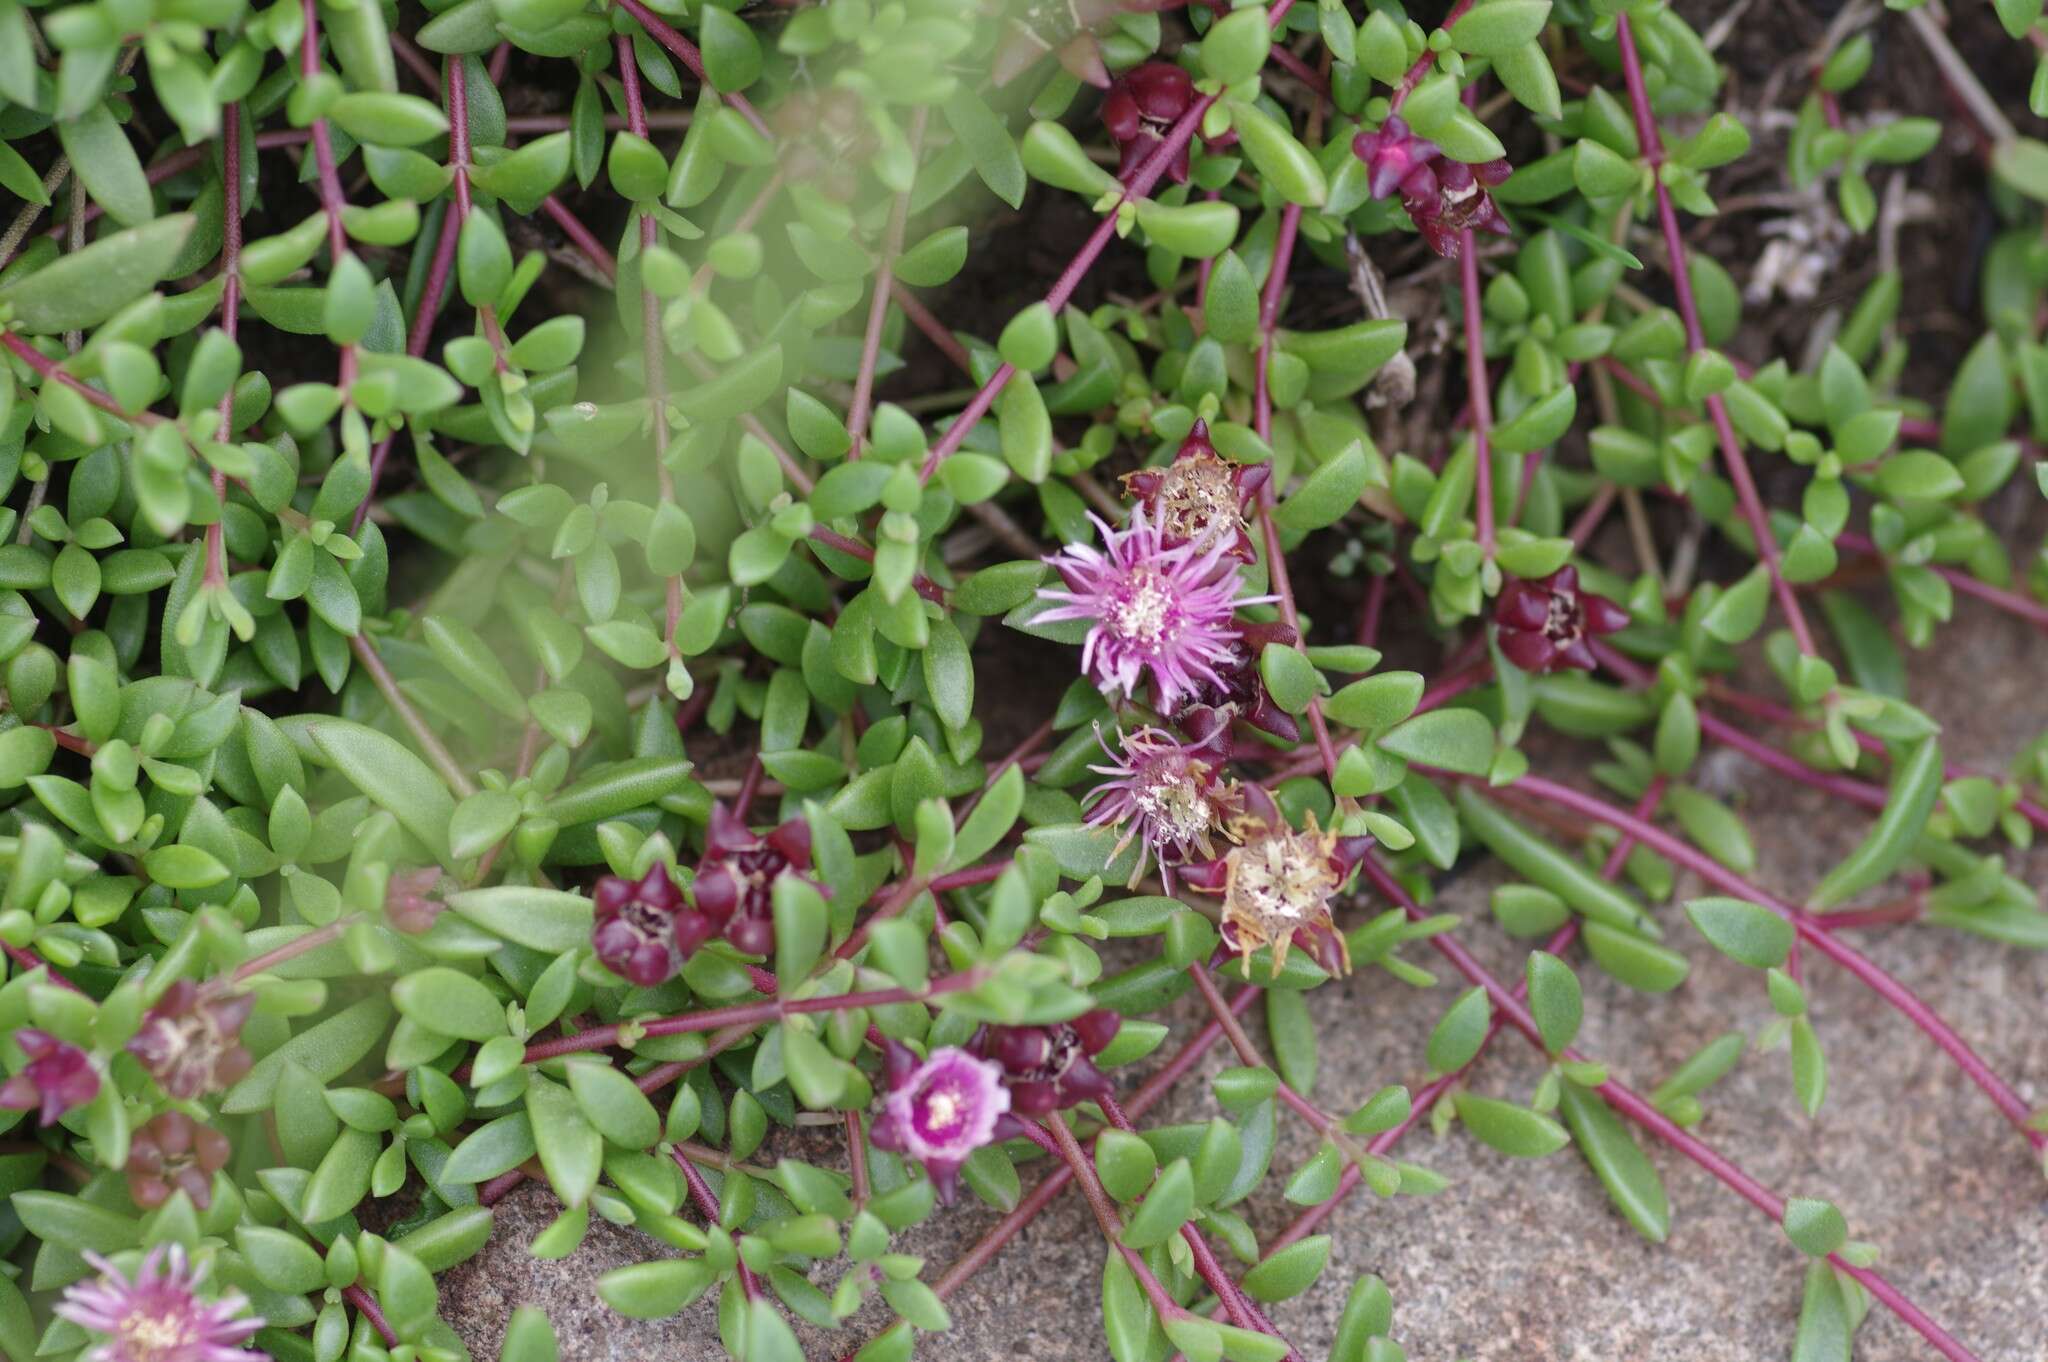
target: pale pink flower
<point>159,1316</point>
<point>1169,796</point>
<point>1157,609</point>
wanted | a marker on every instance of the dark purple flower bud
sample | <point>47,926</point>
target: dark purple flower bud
<point>57,1077</point>
<point>1051,1068</point>
<point>175,1153</point>
<point>1200,494</point>
<point>1544,624</point>
<point>1391,153</point>
<point>192,1043</point>
<point>940,1110</point>
<point>640,934</point>
<point>1241,689</point>
<point>735,885</point>
<point>1141,106</point>
<point>1442,197</point>
<point>1277,883</point>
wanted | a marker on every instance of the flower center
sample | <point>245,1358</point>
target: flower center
<point>1143,608</point>
<point>156,1337</point>
<point>1283,879</point>
<point>1561,623</point>
<point>1175,803</point>
<point>943,1111</point>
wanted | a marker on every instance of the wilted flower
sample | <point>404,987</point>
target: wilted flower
<point>1277,884</point>
<point>410,903</point>
<point>642,935</point>
<point>1139,109</point>
<point>159,1316</point>
<point>1239,688</point>
<point>1051,1068</point>
<point>1544,623</point>
<point>191,1044</point>
<point>941,1110</point>
<point>1169,795</point>
<point>1442,197</point>
<point>57,1077</point>
<point>1166,611</point>
<point>1200,494</point>
<point>735,884</point>
<point>175,1153</point>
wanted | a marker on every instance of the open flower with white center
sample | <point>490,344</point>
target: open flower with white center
<point>1157,609</point>
<point>1277,884</point>
<point>159,1316</point>
<point>941,1110</point>
<point>1168,795</point>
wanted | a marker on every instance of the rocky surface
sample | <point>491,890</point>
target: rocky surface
<point>1525,1261</point>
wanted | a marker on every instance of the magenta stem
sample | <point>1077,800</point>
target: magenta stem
<point>2012,602</point>
<point>1695,338</point>
<point>1480,389</point>
<point>1639,1110</point>
<point>1423,63</point>
<point>700,1192</point>
<point>1873,975</point>
<point>746,1014</point>
<point>1148,175</point>
<point>685,52</point>
<point>1419,1107</point>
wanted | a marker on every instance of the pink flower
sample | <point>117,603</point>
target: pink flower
<point>941,1110</point>
<point>191,1045</point>
<point>1166,611</point>
<point>57,1077</point>
<point>159,1316</point>
<point>1442,197</point>
<point>1051,1068</point>
<point>1200,494</point>
<point>735,884</point>
<point>1168,795</point>
<point>1143,104</point>
<point>1544,624</point>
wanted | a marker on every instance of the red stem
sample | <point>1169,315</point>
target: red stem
<point>1419,1108</point>
<point>1424,62</point>
<point>332,200</point>
<point>367,1307</point>
<point>1907,1002</point>
<point>1688,310</point>
<point>1639,1110</point>
<point>29,962</point>
<point>1480,389</point>
<point>2012,602</point>
<point>700,1192</point>
<point>1262,424</point>
<point>685,52</point>
<point>1140,184</point>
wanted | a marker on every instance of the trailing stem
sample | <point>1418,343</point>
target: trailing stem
<point>1695,340</point>
<point>1646,1115</point>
